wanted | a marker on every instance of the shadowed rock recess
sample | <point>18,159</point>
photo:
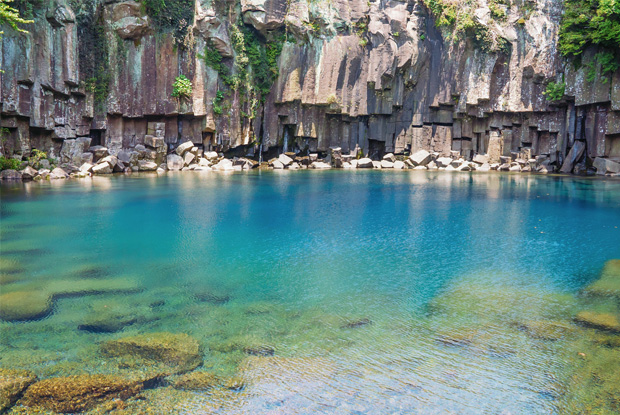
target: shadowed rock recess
<point>277,76</point>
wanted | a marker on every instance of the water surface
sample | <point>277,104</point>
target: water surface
<point>364,284</point>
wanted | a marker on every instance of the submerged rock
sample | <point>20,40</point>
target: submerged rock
<point>195,381</point>
<point>601,321</point>
<point>166,352</point>
<point>24,305</point>
<point>353,324</point>
<point>79,393</point>
<point>609,283</point>
<point>12,385</point>
<point>260,350</point>
<point>211,297</point>
<point>547,330</point>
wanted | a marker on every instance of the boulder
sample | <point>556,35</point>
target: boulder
<point>147,165</point>
<point>293,166</point>
<point>211,155</point>
<point>573,156</point>
<point>44,173</point>
<point>86,158</point>
<point>203,162</point>
<point>174,161</point>
<point>154,142</point>
<point>183,148</point>
<point>189,158</point>
<point>111,160</point>
<point>432,166</point>
<point>224,165</point>
<point>12,384</point>
<point>364,163</point>
<point>399,165</point>
<point>58,173</point>
<point>29,173</point>
<point>86,167</point>
<point>24,305</point>
<point>285,160</point>
<point>277,164</point>
<point>164,352</point>
<point>335,154</point>
<point>420,158</point>
<point>376,164</point>
<point>389,157</point>
<point>79,393</point>
<point>481,159</point>
<point>608,285</point>
<point>319,165</point>
<point>604,166</point>
<point>102,168</point>
<point>98,152</point>
<point>386,164</point>
<point>443,161</point>
<point>515,167</point>
<point>195,381</point>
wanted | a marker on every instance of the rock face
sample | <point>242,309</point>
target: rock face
<point>380,77</point>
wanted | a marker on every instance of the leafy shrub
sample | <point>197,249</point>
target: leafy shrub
<point>607,62</point>
<point>555,91</point>
<point>589,22</point>
<point>35,157</point>
<point>182,87</point>
<point>8,163</point>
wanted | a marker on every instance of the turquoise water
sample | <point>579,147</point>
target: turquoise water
<point>354,280</point>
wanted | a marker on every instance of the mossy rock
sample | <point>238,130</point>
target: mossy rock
<point>77,287</point>
<point>10,266</point>
<point>108,316</point>
<point>12,384</point>
<point>8,278</point>
<point>547,330</point>
<point>609,283</point>
<point>601,321</point>
<point>195,381</point>
<point>168,353</point>
<point>24,305</point>
<point>79,393</point>
<point>606,339</point>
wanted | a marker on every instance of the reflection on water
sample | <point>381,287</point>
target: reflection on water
<point>320,292</point>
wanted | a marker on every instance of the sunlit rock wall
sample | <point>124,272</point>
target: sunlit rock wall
<point>375,75</point>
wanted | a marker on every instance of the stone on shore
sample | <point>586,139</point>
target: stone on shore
<point>147,165</point>
<point>285,160</point>
<point>364,163</point>
<point>420,158</point>
<point>12,384</point>
<point>443,161</point>
<point>399,165</point>
<point>604,166</point>
<point>277,165</point>
<point>10,174</point>
<point>386,164</point>
<point>58,173</point>
<point>175,162</point>
<point>389,157</point>
<point>319,165</point>
<point>79,393</point>
<point>184,148</point>
<point>211,156</point>
<point>164,352</point>
<point>481,159</point>
<point>29,173</point>
<point>102,168</point>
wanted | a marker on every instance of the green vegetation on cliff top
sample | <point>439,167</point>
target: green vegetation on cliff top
<point>589,22</point>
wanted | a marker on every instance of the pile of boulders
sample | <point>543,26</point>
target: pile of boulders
<point>152,157</point>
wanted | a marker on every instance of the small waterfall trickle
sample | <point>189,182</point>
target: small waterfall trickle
<point>285,146</point>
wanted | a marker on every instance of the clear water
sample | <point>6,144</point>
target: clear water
<point>294,260</point>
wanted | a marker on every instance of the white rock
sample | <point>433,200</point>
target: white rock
<point>364,163</point>
<point>175,162</point>
<point>189,158</point>
<point>516,167</point>
<point>432,165</point>
<point>111,160</point>
<point>59,173</point>
<point>481,159</point>
<point>285,160</point>
<point>185,147</point>
<point>319,165</point>
<point>354,163</point>
<point>376,164</point>
<point>204,163</point>
<point>444,161</point>
<point>420,158</point>
<point>86,167</point>
<point>147,165</point>
<point>420,168</point>
<point>399,165</point>
<point>386,164</point>
<point>277,164</point>
<point>160,170</point>
<point>101,168</point>
<point>211,155</point>
<point>293,166</point>
<point>389,157</point>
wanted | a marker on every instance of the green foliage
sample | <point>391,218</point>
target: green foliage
<point>217,107</point>
<point>171,16</point>
<point>555,91</point>
<point>4,137</point>
<point>182,87</point>
<point>36,156</point>
<point>457,18</point>
<point>606,61</point>
<point>10,16</point>
<point>8,163</point>
<point>589,22</point>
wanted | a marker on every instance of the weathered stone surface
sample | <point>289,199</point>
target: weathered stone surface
<point>10,174</point>
<point>24,305</point>
<point>79,393</point>
<point>195,381</point>
<point>167,352</point>
<point>183,148</point>
<point>604,166</point>
<point>319,165</point>
<point>285,160</point>
<point>174,162</point>
<point>12,383</point>
<point>364,163</point>
<point>386,164</point>
<point>189,158</point>
<point>146,165</point>
<point>420,158</point>
<point>58,173</point>
<point>575,153</point>
<point>102,168</point>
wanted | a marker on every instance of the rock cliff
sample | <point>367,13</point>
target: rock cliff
<point>380,76</point>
